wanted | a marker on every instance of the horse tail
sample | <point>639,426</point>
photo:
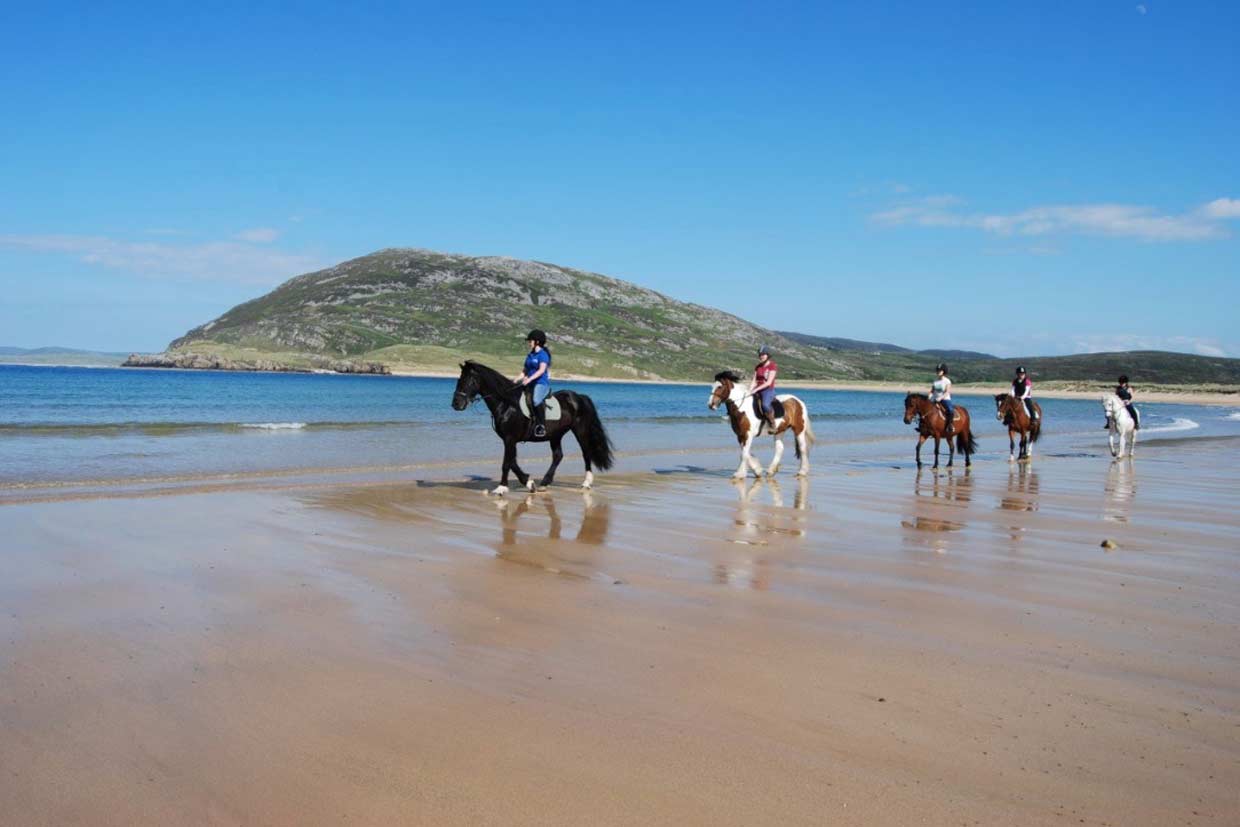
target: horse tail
<point>966,442</point>
<point>595,444</point>
<point>810,439</point>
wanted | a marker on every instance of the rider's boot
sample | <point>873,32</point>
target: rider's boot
<point>1106,426</point>
<point>540,421</point>
<point>947,427</point>
<point>769,416</point>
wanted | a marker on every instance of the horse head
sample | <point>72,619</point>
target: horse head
<point>910,406</point>
<point>1001,405</point>
<point>466,387</point>
<point>725,382</point>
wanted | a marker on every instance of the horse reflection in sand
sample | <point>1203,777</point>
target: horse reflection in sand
<point>748,561</point>
<point>933,495</point>
<point>1121,489</point>
<point>552,552</point>
<point>729,391</point>
<point>1021,498</point>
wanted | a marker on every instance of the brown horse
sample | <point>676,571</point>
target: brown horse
<point>1011,411</point>
<point>932,423</point>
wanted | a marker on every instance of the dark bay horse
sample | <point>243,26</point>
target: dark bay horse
<point>932,423</point>
<point>502,397</point>
<point>1011,411</point>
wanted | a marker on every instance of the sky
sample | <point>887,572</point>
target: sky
<point>1017,178</point>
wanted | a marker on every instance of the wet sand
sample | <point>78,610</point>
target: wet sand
<point>872,646</point>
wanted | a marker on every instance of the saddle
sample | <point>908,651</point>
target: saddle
<point>551,406</point>
<point>777,408</point>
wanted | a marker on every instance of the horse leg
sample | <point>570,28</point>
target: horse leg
<point>743,469</point>
<point>557,454</point>
<point>968,452</point>
<point>1111,442</point>
<point>1132,443</point>
<point>510,459</point>
<point>803,453</point>
<point>921,440</point>
<point>936,451</point>
<point>951,450</point>
<point>779,453</point>
<point>1011,446</point>
<point>753,461</point>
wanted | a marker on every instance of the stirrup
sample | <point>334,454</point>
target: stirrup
<point>540,431</point>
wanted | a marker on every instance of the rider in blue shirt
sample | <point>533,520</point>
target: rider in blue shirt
<point>537,372</point>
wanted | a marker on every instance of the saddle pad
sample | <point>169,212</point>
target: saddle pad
<point>552,406</point>
<point>777,408</point>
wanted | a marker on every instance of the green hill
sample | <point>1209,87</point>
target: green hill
<point>418,310</point>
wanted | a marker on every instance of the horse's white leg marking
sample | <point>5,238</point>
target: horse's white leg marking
<point>803,442</point>
<point>499,490</point>
<point>530,485</point>
<point>589,482</point>
<point>742,469</point>
<point>753,461</point>
<point>779,453</point>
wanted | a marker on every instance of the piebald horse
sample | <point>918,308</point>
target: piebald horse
<point>732,394</point>
<point>1122,427</point>
<point>1011,411</point>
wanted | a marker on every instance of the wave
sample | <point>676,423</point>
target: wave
<point>1233,415</point>
<point>1177,424</point>
<point>274,426</point>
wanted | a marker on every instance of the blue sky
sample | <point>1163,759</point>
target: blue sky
<point>1031,178</point>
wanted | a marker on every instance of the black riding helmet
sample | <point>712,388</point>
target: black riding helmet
<point>941,366</point>
<point>537,337</point>
<point>1020,371</point>
<point>1123,379</point>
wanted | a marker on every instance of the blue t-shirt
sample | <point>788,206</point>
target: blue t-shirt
<point>533,361</point>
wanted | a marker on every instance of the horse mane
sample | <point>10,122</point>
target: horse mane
<point>493,382</point>
<point>730,375</point>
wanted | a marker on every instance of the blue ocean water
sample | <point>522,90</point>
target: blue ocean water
<point>74,424</point>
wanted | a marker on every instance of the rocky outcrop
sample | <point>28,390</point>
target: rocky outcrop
<point>208,361</point>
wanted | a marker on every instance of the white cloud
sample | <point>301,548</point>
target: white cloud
<point>1116,220</point>
<point>215,260</point>
<point>258,235</point>
<point>1223,208</point>
<point>1141,9</point>
<point>1109,343</point>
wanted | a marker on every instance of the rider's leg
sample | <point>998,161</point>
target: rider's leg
<point>538,410</point>
<point>1029,409</point>
<point>1136,420</point>
<point>767,397</point>
<point>949,412</point>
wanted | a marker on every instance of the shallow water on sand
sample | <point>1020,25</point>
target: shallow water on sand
<point>75,425</point>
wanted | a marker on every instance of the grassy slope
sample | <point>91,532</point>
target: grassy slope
<point>421,310</point>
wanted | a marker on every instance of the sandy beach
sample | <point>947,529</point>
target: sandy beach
<point>871,646</point>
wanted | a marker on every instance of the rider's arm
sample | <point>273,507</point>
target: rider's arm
<point>542,368</point>
<point>766,383</point>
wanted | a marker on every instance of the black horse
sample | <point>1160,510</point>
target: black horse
<point>502,396</point>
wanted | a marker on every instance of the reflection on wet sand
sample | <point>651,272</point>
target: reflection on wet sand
<point>570,557</point>
<point>1121,488</point>
<point>754,525</point>
<point>933,492</point>
<point>1021,497</point>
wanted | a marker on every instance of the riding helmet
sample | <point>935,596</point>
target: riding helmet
<point>1123,379</point>
<point>941,366</point>
<point>764,349</point>
<point>1020,370</point>
<point>537,337</point>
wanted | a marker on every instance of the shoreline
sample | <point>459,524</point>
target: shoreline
<point>1145,393</point>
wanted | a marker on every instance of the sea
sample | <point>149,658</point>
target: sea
<point>62,426</point>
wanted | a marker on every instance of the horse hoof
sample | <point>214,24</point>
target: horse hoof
<point>530,486</point>
<point>499,490</point>
<point>738,477</point>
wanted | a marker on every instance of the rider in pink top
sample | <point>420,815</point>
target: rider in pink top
<point>1022,389</point>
